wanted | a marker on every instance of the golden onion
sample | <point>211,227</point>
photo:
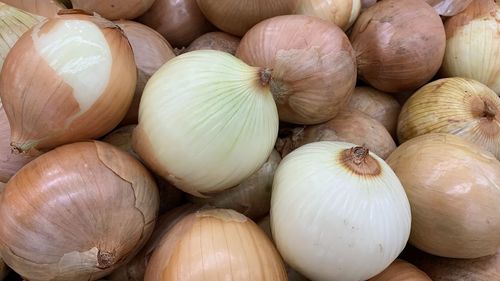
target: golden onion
<point>401,270</point>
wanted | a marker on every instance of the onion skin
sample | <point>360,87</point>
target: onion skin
<point>401,270</point>
<point>179,21</point>
<point>45,8</point>
<point>342,13</point>
<point>114,9</point>
<point>453,189</point>
<point>242,250</point>
<point>449,7</point>
<point>92,209</point>
<point>122,139</point>
<point>219,41</point>
<point>472,39</point>
<point>399,44</point>
<point>314,76</point>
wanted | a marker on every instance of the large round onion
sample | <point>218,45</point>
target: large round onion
<point>473,44</point>
<point>67,79</point>
<point>343,13</point>
<point>219,41</point>
<point>458,106</point>
<point>45,8</point>
<point>399,44</point>
<point>453,188</point>
<point>401,270</point>
<point>449,7</point>
<point>114,9</point>
<point>314,73</point>
<point>233,246</point>
<point>338,212</point>
<point>76,213</point>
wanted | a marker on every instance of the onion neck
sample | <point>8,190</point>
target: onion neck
<point>265,76</point>
<point>105,259</point>
<point>359,161</point>
<point>489,111</point>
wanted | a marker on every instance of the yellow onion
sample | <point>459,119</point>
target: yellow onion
<point>401,270</point>
<point>151,51</point>
<point>378,105</point>
<point>458,106</point>
<point>67,79</point>
<point>449,7</point>
<point>215,244</point>
<point>114,9</point>
<point>473,44</point>
<point>340,12</point>
<point>76,213</point>
<point>179,21</point>
<point>454,189</point>
<point>252,197</point>
<point>314,73</point>
<point>45,8</point>
<point>3,270</point>
<point>219,41</point>
<point>399,44</point>
<point>200,115</point>
<point>355,209</point>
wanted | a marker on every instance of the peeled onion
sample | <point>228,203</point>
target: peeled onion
<point>314,73</point>
<point>449,7</point>
<point>114,9</point>
<point>219,41</point>
<point>343,13</point>
<point>45,8</point>
<point>399,44</point>
<point>67,79</point>
<point>76,213</point>
<point>338,212</point>
<point>473,44</point>
<point>454,189</point>
<point>401,270</point>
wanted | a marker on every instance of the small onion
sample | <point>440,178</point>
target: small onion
<point>401,270</point>
<point>252,197</point>
<point>458,106</point>
<point>151,51</point>
<point>314,73</point>
<point>473,44</point>
<point>179,21</point>
<point>449,7</point>
<point>76,213</point>
<point>45,8</point>
<point>215,244</point>
<point>114,9</point>
<point>454,189</point>
<point>219,41</point>
<point>399,44</point>
<point>200,115</point>
<point>67,79</point>
<point>356,211</point>
<point>343,13</point>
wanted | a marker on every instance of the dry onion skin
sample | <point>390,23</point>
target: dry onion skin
<point>45,8</point>
<point>453,188</point>
<point>219,41</point>
<point>114,9</point>
<point>151,51</point>
<point>401,270</point>
<point>399,44</point>
<point>458,106</point>
<point>67,79</point>
<point>76,213</point>
<point>314,73</point>
<point>354,206</point>
<point>340,12</point>
<point>473,43</point>
<point>239,249</point>
<point>449,7</point>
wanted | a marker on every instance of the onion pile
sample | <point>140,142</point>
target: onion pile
<point>342,13</point>
<point>114,9</point>
<point>401,270</point>
<point>218,41</point>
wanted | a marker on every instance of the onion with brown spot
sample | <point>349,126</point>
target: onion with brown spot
<point>114,9</point>
<point>401,270</point>
<point>343,13</point>
<point>219,41</point>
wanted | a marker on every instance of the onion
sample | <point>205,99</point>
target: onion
<point>45,8</point>
<point>473,43</point>
<point>122,139</point>
<point>357,214</point>
<point>458,106</point>
<point>252,197</point>
<point>212,110</point>
<point>237,17</point>
<point>180,21</point>
<point>76,213</point>
<point>449,7</point>
<point>67,79</point>
<point>340,12</point>
<point>365,4</point>
<point>219,41</point>
<point>378,105</point>
<point>399,44</point>
<point>151,51</point>
<point>401,270</point>
<point>314,73</point>
<point>235,246</point>
<point>453,188</point>
<point>114,9</point>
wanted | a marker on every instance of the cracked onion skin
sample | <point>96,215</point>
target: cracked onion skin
<point>401,270</point>
<point>454,188</point>
<point>76,213</point>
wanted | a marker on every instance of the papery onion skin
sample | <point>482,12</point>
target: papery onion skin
<point>399,44</point>
<point>219,41</point>
<point>45,8</point>
<point>222,112</point>
<point>151,51</point>
<point>473,43</point>
<point>114,9</point>
<point>76,213</point>
<point>60,91</point>
<point>458,106</point>
<point>342,13</point>
<point>314,73</point>
<point>353,203</point>
<point>453,189</point>
<point>401,270</point>
<point>449,7</point>
<point>242,251</point>
<point>179,21</point>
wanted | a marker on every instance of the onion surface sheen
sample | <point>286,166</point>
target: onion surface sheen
<point>449,7</point>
